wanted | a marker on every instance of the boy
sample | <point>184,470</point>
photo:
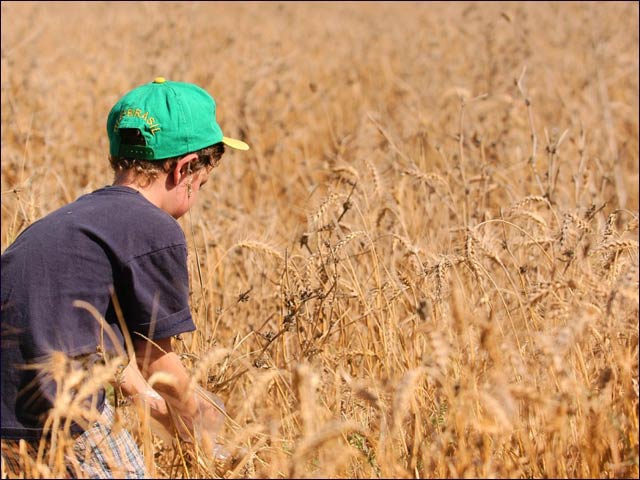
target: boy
<point>107,271</point>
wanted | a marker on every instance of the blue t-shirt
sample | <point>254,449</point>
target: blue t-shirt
<point>111,240</point>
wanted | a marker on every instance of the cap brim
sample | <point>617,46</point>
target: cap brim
<point>234,143</point>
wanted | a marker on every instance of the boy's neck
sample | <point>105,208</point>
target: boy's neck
<point>154,191</point>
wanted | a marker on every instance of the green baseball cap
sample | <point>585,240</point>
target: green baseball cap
<point>175,118</point>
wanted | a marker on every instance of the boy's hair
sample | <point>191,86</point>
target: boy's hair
<point>146,171</point>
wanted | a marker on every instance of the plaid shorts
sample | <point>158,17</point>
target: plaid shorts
<point>99,452</point>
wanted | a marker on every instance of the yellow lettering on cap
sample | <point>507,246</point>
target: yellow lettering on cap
<point>117,124</point>
<point>137,112</point>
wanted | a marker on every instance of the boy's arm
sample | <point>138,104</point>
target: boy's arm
<point>133,385</point>
<point>159,357</point>
<point>198,412</point>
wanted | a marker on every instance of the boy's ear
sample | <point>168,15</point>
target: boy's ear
<point>181,169</point>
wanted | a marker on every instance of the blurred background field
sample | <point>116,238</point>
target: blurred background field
<point>427,263</point>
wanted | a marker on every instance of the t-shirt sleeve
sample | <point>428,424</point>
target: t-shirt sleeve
<point>154,294</point>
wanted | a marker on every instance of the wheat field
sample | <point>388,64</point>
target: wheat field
<point>427,263</point>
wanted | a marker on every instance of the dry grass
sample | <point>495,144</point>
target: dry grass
<point>426,266</point>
